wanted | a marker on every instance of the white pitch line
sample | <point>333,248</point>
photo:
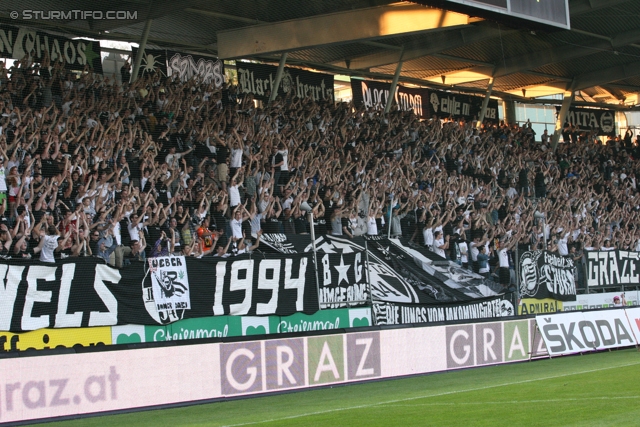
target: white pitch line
<point>445,393</point>
<point>570,399</point>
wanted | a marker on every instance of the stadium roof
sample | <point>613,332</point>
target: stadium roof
<point>599,56</point>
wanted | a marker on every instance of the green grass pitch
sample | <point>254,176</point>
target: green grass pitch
<point>600,389</point>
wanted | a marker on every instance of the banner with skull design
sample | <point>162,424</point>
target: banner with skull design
<point>170,282</point>
<point>544,274</point>
<point>259,80</point>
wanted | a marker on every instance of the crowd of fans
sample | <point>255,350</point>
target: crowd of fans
<point>159,166</point>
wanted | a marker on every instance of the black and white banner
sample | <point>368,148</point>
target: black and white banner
<point>588,119</point>
<point>182,66</point>
<point>398,273</point>
<point>16,42</point>
<point>455,105</point>
<point>424,102</point>
<point>343,280</point>
<point>170,282</point>
<point>545,274</point>
<point>259,80</point>
<point>153,61</point>
<point>374,94</point>
<point>577,332</point>
<point>612,268</point>
<point>84,292</point>
<point>385,313</point>
<point>187,66</point>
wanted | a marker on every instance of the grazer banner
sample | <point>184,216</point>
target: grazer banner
<point>186,66</point>
<point>385,313</point>
<point>577,332</point>
<point>373,94</point>
<point>16,42</point>
<point>458,106</point>
<point>259,80</point>
<point>588,119</point>
<point>153,61</point>
<point>85,292</point>
<point>544,274</point>
<point>612,268</point>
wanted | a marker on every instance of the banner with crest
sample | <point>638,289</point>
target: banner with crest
<point>544,274</point>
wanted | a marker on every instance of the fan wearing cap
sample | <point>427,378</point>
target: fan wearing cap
<point>619,301</point>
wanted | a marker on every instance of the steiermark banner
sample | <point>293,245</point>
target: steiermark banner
<point>236,326</point>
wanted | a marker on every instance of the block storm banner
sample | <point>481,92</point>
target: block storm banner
<point>544,274</point>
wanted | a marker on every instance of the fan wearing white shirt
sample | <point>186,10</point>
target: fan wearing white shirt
<point>440,244</point>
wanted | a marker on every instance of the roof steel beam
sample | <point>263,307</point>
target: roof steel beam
<point>335,28</point>
<point>434,43</point>
<point>533,60</point>
<point>577,7</point>
<point>607,75</point>
<point>155,10</point>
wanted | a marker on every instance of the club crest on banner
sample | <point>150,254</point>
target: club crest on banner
<point>544,274</point>
<point>529,274</point>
